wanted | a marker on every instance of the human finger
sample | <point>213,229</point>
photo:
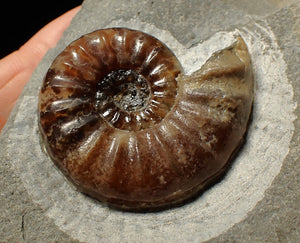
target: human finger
<point>16,68</point>
<point>29,55</point>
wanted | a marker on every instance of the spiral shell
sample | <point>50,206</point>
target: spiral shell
<point>127,127</point>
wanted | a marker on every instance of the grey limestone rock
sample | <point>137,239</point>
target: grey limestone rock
<point>258,201</point>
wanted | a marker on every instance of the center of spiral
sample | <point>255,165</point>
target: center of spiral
<point>127,89</point>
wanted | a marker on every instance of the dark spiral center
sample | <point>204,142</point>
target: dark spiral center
<point>127,89</point>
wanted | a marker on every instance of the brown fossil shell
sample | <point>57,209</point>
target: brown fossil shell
<point>127,127</point>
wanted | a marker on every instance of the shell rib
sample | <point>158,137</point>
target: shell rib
<point>127,127</point>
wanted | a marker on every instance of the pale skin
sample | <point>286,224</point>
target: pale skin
<point>16,68</point>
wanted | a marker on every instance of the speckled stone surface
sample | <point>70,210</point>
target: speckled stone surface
<point>26,216</point>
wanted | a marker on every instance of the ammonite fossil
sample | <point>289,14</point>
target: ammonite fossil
<point>120,119</point>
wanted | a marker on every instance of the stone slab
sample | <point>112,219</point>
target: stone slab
<point>37,205</point>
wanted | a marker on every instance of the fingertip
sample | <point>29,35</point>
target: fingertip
<point>17,67</point>
<point>47,37</point>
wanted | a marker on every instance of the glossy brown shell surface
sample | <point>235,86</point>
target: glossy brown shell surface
<point>127,127</point>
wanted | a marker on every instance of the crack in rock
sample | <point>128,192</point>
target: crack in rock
<point>23,226</point>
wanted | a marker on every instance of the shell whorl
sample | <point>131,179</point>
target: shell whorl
<point>127,127</point>
<point>97,69</point>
